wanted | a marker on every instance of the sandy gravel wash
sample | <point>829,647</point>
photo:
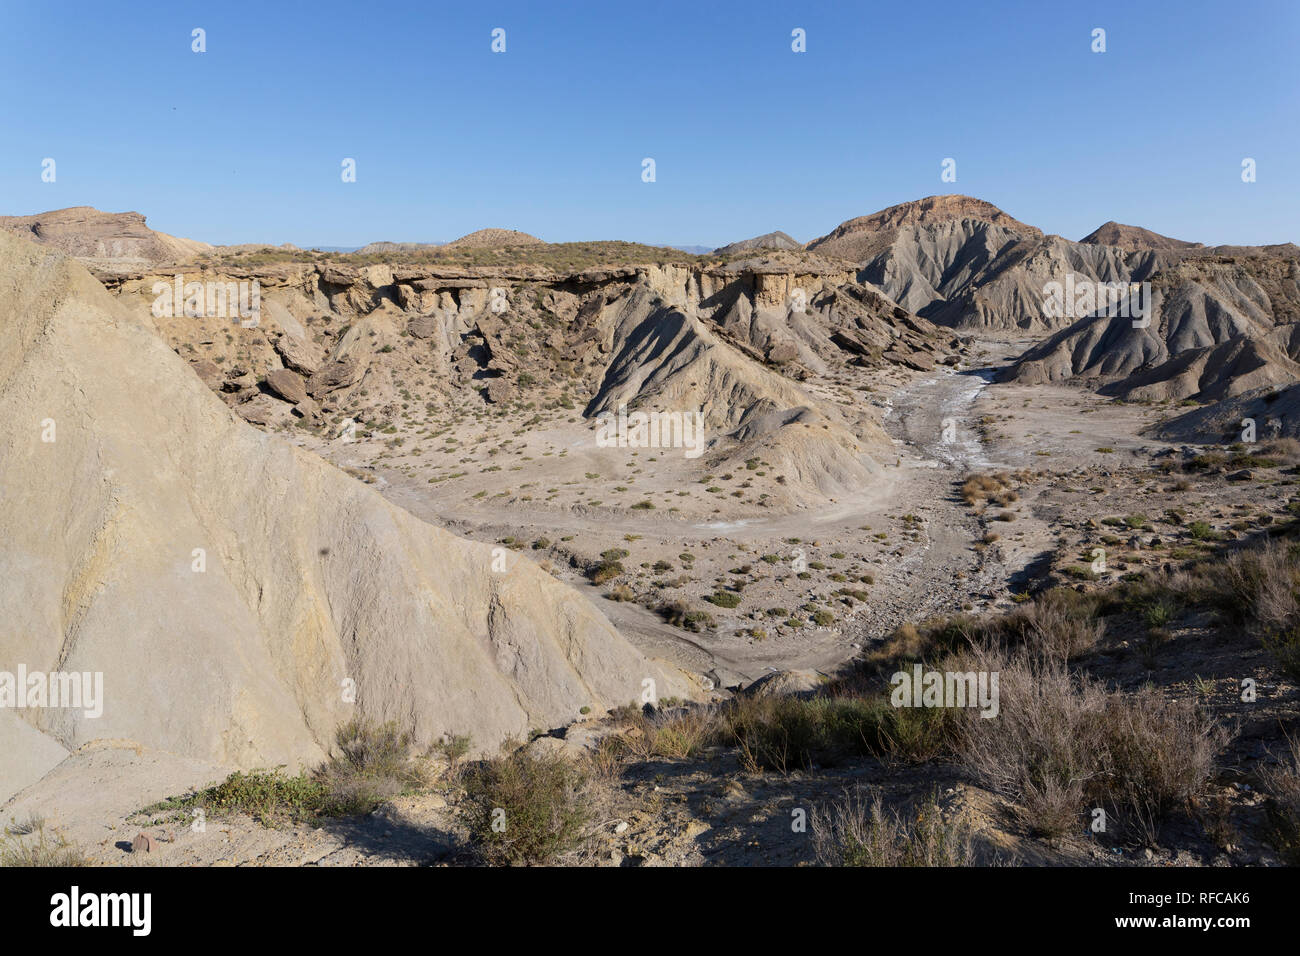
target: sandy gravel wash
<point>925,580</point>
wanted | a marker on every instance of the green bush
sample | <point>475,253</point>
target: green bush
<point>524,808</point>
<point>605,571</point>
<point>371,765</point>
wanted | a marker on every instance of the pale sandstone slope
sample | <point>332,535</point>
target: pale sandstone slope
<point>311,577</point>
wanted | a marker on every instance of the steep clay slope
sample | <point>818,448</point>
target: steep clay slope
<point>668,360</point>
<point>105,241</point>
<point>970,274</point>
<point>964,263</point>
<point>311,578</point>
<point>1221,326</point>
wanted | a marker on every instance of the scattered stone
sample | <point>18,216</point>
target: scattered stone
<point>288,385</point>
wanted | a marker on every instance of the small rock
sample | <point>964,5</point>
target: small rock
<point>287,385</point>
<point>143,843</point>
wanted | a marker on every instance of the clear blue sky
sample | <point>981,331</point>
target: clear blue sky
<point>244,142</point>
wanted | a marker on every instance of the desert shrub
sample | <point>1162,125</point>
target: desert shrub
<point>1260,584</point>
<point>679,614</point>
<point>1053,625</point>
<point>1062,743</point>
<point>994,487</point>
<point>853,832</point>
<point>541,799</point>
<point>1284,645</point>
<point>1158,754</point>
<point>1286,449</point>
<point>605,760</point>
<point>605,571</point>
<point>453,748</point>
<point>271,797</point>
<point>372,765</point>
<point>621,593</point>
<point>723,599</point>
<point>789,733</point>
<point>1282,786</point>
<point>674,735</point>
<point>1159,612</point>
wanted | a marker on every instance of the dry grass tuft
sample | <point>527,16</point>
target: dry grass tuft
<point>853,832</point>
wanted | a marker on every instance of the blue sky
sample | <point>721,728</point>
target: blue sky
<point>244,142</point>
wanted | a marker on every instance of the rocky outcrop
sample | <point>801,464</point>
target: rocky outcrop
<point>757,325</point>
<point>105,241</point>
